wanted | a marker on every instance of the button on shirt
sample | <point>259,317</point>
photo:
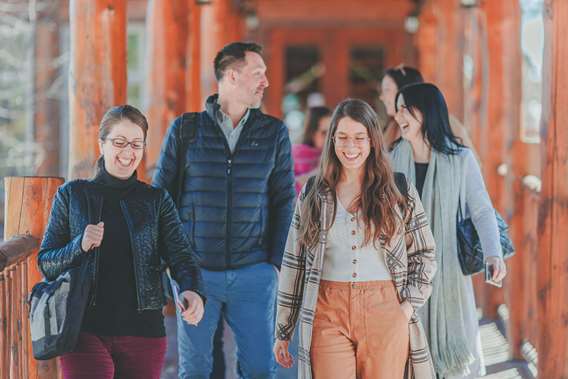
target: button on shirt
<point>345,259</point>
<point>231,133</point>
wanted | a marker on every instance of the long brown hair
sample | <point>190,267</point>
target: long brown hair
<point>379,199</point>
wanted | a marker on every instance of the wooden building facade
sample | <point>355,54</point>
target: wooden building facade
<point>470,49</point>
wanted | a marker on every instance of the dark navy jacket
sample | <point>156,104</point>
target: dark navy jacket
<point>235,207</point>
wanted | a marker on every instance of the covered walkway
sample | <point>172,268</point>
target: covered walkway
<point>500,64</point>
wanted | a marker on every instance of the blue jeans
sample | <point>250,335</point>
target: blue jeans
<point>246,298</point>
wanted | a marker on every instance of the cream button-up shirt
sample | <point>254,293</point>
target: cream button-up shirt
<point>345,259</point>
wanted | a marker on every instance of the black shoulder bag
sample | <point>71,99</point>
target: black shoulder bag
<point>56,311</point>
<point>470,254</point>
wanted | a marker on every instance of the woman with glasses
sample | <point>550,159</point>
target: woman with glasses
<point>306,155</point>
<point>396,78</point>
<point>358,262</point>
<point>123,229</point>
<point>448,178</point>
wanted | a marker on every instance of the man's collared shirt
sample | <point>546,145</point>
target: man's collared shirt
<point>231,133</point>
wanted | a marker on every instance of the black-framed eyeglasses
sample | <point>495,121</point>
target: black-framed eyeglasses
<point>122,143</point>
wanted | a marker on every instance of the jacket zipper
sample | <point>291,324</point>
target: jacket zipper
<point>229,171</point>
<point>97,258</point>
<point>132,247</point>
<point>229,205</point>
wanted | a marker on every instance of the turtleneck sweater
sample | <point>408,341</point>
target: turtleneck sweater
<point>116,310</point>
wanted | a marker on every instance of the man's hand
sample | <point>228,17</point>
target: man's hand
<point>92,236</point>
<point>192,307</point>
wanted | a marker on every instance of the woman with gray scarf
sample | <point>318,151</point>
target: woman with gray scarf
<point>447,176</point>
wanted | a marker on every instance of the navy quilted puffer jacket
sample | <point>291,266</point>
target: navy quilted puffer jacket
<point>236,207</point>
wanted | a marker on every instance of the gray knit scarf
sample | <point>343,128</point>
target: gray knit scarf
<point>443,315</point>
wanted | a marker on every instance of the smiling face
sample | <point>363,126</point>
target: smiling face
<point>351,144</point>
<point>121,162</point>
<point>410,123</point>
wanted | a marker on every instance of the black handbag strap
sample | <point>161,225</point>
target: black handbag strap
<point>460,215</point>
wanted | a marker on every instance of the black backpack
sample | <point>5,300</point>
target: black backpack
<point>185,136</point>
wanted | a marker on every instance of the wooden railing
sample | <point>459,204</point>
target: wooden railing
<point>28,204</point>
<point>13,310</point>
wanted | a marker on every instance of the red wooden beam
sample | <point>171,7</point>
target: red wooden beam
<point>28,204</point>
<point>46,104</point>
<point>504,71</point>
<point>220,24</point>
<point>167,25</point>
<point>553,215</point>
<point>440,43</point>
<point>193,97</point>
<point>97,75</point>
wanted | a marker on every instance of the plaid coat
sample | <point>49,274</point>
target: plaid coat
<point>409,257</point>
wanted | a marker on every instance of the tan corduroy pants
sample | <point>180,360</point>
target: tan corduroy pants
<point>360,331</point>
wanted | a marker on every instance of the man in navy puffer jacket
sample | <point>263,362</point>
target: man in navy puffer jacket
<point>236,206</point>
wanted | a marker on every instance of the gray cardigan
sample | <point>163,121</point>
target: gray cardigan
<point>476,203</point>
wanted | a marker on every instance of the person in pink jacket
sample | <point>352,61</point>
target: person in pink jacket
<point>306,154</point>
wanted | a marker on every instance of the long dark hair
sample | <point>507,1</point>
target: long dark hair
<point>115,115</point>
<point>311,125</point>
<point>404,75</point>
<point>379,199</point>
<point>429,101</point>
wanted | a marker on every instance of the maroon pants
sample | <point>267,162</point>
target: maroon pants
<point>100,357</point>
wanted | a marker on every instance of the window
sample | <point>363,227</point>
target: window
<point>532,45</point>
<point>136,66</point>
<point>365,72</point>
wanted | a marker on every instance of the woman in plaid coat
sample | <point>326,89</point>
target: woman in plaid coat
<point>358,263</point>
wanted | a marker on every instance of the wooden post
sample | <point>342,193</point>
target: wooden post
<point>97,75</point>
<point>28,204</point>
<point>553,215</point>
<point>213,38</point>
<point>46,104</point>
<point>3,322</point>
<point>440,42</point>
<point>529,255</point>
<point>193,83</point>
<point>503,26</point>
<point>276,62</point>
<point>475,97</point>
<point>218,29</point>
<point>167,25</point>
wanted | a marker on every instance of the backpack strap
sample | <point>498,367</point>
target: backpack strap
<point>185,136</point>
<point>310,183</point>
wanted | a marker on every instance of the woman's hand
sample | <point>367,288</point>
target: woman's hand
<point>499,268</point>
<point>282,355</point>
<point>407,310</point>
<point>192,307</point>
<point>92,236</point>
